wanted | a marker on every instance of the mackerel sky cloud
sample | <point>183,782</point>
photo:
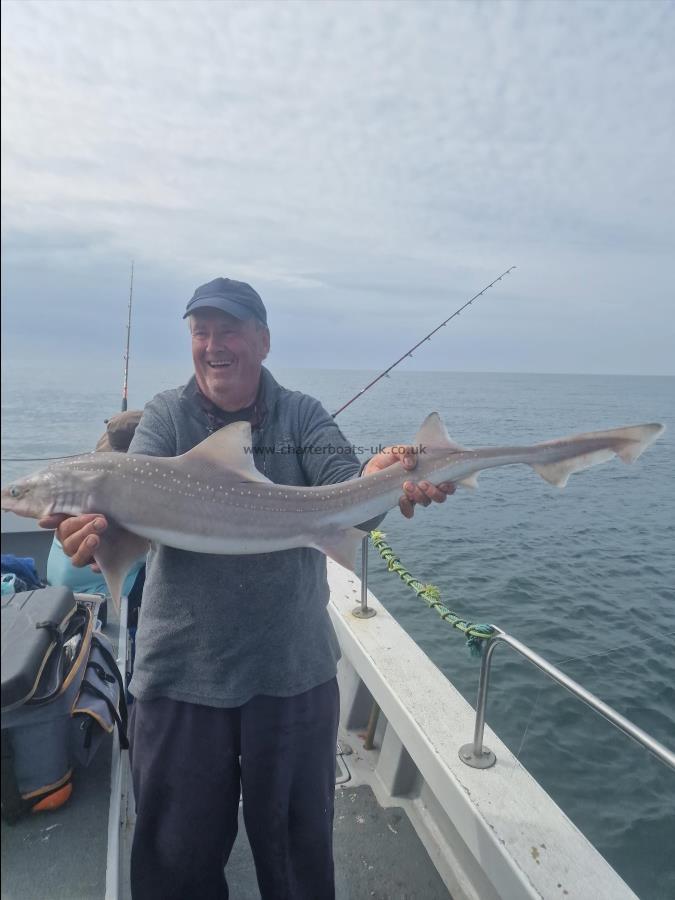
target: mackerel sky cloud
<point>366,166</point>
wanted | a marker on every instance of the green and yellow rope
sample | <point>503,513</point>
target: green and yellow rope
<point>475,633</point>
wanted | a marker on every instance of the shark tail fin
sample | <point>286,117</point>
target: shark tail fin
<point>598,447</point>
<point>636,439</point>
<point>558,473</point>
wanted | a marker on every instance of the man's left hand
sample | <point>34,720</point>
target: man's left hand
<point>422,492</point>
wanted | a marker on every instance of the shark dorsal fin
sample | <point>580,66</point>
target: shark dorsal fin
<point>228,449</point>
<point>433,433</point>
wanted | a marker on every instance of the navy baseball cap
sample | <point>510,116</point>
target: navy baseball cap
<point>234,297</point>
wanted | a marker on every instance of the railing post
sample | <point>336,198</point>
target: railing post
<point>364,611</point>
<point>476,755</point>
<point>368,742</point>
<point>480,757</point>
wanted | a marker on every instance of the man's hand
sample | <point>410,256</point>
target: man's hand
<point>78,535</point>
<point>422,492</point>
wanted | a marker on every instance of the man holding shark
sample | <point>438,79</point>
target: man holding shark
<point>236,661</point>
<point>236,657</point>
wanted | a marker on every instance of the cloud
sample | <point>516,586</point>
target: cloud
<point>343,156</point>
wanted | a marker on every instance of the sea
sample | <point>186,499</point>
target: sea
<point>585,576</point>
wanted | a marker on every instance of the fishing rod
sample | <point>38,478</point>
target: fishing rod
<point>427,337</point>
<point>408,353</point>
<point>125,388</point>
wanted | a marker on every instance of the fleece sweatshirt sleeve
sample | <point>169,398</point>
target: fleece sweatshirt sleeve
<point>327,456</point>
<point>154,435</point>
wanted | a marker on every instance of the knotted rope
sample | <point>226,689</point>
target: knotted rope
<point>475,633</point>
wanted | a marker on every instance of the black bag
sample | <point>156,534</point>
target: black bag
<point>61,694</point>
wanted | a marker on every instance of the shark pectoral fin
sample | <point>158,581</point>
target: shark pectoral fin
<point>230,450</point>
<point>433,433</point>
<point>471,481</point>
<point>118,550</point>
<point>342,545</point>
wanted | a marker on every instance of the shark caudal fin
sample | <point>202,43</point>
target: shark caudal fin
<point>434,434</point>
<point>118,550</point>
<point>581,451</point>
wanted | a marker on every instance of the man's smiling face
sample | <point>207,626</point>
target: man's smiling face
<point>228,354</point>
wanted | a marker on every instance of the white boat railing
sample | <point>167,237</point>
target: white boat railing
<point>479,756</point>
<point>476,754</point>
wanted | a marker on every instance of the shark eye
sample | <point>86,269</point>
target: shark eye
<point>14,491</point>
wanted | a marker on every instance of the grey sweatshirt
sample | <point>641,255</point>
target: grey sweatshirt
<point>217,630</point>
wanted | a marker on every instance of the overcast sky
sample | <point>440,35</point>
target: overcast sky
<point>366,166</point>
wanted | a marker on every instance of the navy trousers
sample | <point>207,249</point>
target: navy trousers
<point>189,764</point>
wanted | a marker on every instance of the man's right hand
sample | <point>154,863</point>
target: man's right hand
<point>78,535</point>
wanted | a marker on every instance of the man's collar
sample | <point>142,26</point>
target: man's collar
<point>268,392</point>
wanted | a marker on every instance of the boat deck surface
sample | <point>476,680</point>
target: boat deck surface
<point>378,855</point>
<point>62,855</point>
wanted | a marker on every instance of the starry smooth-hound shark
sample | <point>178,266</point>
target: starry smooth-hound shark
<point>214,500</point>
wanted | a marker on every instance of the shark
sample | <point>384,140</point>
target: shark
<point>213,499</point>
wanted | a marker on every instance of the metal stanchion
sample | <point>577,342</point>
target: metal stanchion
<point>364,611</point>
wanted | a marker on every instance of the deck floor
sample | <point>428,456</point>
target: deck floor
<point>62,855</point>
<point>378,855</point>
